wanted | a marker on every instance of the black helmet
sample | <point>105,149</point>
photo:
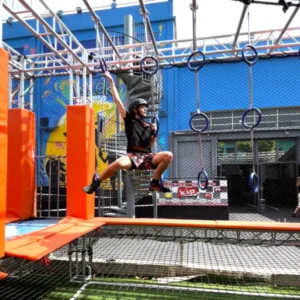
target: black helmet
<point>135,103</point>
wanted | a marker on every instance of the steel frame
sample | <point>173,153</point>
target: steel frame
<point>74,60</point>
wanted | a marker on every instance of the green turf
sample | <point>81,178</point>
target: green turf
<point>102,292</point>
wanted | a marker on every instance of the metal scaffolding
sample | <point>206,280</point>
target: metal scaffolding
<point>65,55</point>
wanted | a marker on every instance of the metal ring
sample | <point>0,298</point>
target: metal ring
<point>250,62</point>
<point>202,187</point>
<point>149,72</point>
<point>254,182</point>
<point>201,62</point>
<point>156,120</point>
<point>205,118</point>
<point>103,65</point>
<point>100,121</point>
<point>245,114</point>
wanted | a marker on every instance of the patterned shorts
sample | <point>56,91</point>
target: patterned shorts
<point>142,161</point>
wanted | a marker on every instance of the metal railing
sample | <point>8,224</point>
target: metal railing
<point>51,186</point>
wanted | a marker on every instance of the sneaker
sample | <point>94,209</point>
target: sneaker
<point>294,215</point>
<point>93,187</point>
<point>159,187</point>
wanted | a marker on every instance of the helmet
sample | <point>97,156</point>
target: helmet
<point>135,103</point>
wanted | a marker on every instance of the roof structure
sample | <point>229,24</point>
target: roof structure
<point>68,54</point>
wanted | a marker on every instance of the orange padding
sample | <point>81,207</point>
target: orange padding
<point>20,164</point>
<point>234,225</point>
<point>35,245</point>
<point>11,220</point>
<point>3,275</point>
<point>3,143</point>
<point>80,160</point>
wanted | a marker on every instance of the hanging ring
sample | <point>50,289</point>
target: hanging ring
<point>100,121</point>
<point>149,71</point>
<point>195,115</point>
<point>254,182</point>
<point>202,187</point>
<point>155,120</point>
<point>199,64</point>
<point>250,62</point>
<point>245,114</point>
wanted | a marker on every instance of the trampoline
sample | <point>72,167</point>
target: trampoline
<point>17,229</point>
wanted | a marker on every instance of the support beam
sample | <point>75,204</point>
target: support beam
<point>239,26</point>
<point>65,38</point>
<point>145,16</point>
<point>38,35</point>
<point>194,8</point>
<point>216,46</point>
<point>100,25</point>
<point>285,28</point>
<point>15,61</point>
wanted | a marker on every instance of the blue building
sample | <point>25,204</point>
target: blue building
<point>223,94</point>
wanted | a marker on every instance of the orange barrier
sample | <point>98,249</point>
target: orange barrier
<point>3,143</point>
<point>80,160</point>
<point>156,222</point>
<point>234,225</point>
<point>11,220</point>
<point>3,275</point>
<point>35,245</point>
<point>21,164</point>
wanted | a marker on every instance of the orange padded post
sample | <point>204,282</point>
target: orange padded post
<point>21,164</point>
<point>80,160</point>
<point>3,143</point>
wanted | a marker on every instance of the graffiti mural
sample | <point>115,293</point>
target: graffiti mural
<point>55,98</point>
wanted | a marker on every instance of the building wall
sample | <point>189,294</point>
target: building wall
<point>222,86</point>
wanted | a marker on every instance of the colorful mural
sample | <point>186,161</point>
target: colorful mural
<point>55,98</point>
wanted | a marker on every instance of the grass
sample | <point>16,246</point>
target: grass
<point>111,292</point>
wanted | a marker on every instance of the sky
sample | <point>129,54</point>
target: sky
<point>214,17</point>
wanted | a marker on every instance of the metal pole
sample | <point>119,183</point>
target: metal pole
<point>77,97</point>
<point>91,89</point>
<point>53,32</point>
<point>239,25</point>
<point>84,86</point>
<point>145,15</point>
<point>119,174</point>
<point>285,27</point>
<point>128,29</point>
<point>10,96</point>
<point>130,194</point>
<point>31,84</point>
<point>21,90</point>
<point>98,22</point>
<point>71,82</point>
<point>194,8</point>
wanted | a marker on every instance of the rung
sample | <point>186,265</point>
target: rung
<point>22,12</point>
<point>45,34</point>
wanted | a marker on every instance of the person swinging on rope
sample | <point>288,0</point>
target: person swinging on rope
<point>141,137</point>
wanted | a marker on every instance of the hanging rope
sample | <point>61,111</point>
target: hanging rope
<point>253,176</point>
<point>195,62</point>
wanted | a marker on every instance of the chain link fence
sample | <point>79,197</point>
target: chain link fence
<point>145,262</point>
<point>226,152</point>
